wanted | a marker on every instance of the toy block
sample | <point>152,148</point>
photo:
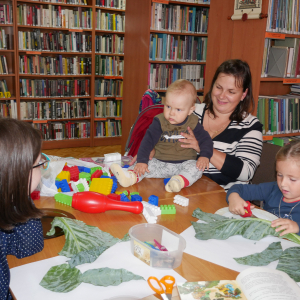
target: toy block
<point>66,168</point>
<point>97,174</point>
<point>105,173</point>
<point>134,193</point>
<point>64,186</point>
<point>35,195</point>
<point>183,201</point>
<point>126,166</point>
<point>74,187</point>
<point>136,198</point>
<point>64,199</point>
<point>93,170</point>
<point>114,197</point>
<point>118,193</point>
<point>149,216</point>
<point>80,187</point>
<point>63,175</point>
<point>80,168</point>
<point>153,200</point>
<point>70,186</point>
<point>57,183</point>
<point>74,173</point>
<point>59,190</point>
<point>86,170</point>
<point>155,209</point>
<point>168,209</point>
<point>114,187</point>
<point>124,198</point>
<point>112,157</point>
<point>126,192</point>
<point>166,180</point>
<point>101,185</point>
<point>82,181</point>
<point>85,175</point>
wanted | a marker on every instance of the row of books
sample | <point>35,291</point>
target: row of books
<point>108,88</point>
<point>4,91</point>
<point>109,65</point>
<point>6,15</point>
<point>58,65</point>
<point>281,58</point>
<point>108,128</point>
<point>54,16</point>
<point>80,2</point>
<point>55,109</point>
<point>160,76</point>
<point>118,4</point>
<point>3,65</point>
<point>37,88</point>
<point>108,108</point>
<point>54,41</point>
<point>283,16</point>
<point>110,43</point>
<point>8,108</point>
<point>168,47</point>
<point>4,37</point>
<point>63,130</point>
<point>179,18</point>
<point>108,21</point>
<point>279,114</point>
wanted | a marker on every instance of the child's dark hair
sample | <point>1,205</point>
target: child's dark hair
<point>20,146</point>
<point>289,151</point>
<point>240,70</point>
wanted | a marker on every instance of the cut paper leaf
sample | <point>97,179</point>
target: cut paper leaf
<point>272,253</point>
<point>249,228</point>
<point>61,279</point>
<point>88,256</point>
<point>289,262</point>
<point>126,238</point>
<point>81,237</point>
<point>207,217</point>
<point>107,276</point>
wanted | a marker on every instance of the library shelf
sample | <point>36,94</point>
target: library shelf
<point>7,75</point>
<point>53,76</point>
<point>177,33</point>
<point>55,28</point>
<point>109,31</point>
<point>273,78</point>
<point>11,98</point>
<point>54,98</point>
<point>68,143</point>
<point>108,97</point>
<point>5,50</point>
<point>176,62</point>
<point>189,3</point>
<point>109,77</point>
<point>53,52</point>
<point>54,3</point>
<point>109,8</point>
<point>270,137</point>
<point>107,118</point>
<point>6,25</point>
<point>109,54</point>
<point>55,120</point>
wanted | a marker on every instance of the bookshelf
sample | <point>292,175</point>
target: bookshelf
<point>141,29</point>
<point>51,56</point>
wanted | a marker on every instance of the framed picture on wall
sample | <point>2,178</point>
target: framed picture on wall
<point>250,7</point>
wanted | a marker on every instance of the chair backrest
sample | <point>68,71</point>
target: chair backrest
<point>140,127</point>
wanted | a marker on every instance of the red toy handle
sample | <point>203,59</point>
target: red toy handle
<point>248,212</point>
<point>91,202</point>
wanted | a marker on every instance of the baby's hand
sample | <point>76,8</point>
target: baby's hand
<point>288,226</point>
<point>237,204</point>
<point>141,168</point>
<point>202,163</point>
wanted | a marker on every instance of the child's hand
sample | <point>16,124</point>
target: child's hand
<point>237,204</point>
<point>202,163</point>
<point>141,168</point>
<point>288,226</point>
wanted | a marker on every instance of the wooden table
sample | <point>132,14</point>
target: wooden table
<point>204,194</point>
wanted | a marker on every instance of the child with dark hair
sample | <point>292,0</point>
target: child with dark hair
<point>21,232</point>
<point>281,198</point>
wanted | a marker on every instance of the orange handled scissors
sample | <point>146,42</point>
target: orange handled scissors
<point>166,293</point>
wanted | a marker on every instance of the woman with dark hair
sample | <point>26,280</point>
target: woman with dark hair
<point>21,232</point>
<point>236,134</point>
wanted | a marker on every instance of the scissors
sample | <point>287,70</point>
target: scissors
<point>248,212</point>
<point>166,293</point>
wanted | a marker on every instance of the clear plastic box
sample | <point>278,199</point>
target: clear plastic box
<point>152,257</point>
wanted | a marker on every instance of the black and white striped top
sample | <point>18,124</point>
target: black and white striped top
<point>242,144</point>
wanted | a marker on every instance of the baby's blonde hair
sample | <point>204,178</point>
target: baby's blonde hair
<point>183,86</point>
<point>289,151</point>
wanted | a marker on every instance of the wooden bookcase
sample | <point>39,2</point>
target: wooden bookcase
<point>14,76</point>
<point>138,30</point>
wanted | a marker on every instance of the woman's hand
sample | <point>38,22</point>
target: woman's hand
<point>237,204</point>
<point>288,226</point>
<point>190,140</point>
<point>151,155</point>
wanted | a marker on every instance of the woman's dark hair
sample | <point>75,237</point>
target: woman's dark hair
<point>20,146</point>
<point>241,72</point>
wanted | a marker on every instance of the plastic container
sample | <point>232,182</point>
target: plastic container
<point>152,257</point>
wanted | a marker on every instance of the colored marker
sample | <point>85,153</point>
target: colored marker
<point>161,247</point>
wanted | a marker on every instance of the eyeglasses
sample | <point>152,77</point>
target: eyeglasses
<point>44,162</point>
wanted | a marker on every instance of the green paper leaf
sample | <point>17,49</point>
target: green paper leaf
<point>289,262</point>
<point>249,228</point>
<point>126,238</point>
<point>207,217</point>
<point>61,279</point>
<point>272,253</point>
<point>107,276</point>
<point>81,237</point>
<point>88,256</point>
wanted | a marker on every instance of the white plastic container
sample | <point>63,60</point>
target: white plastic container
<point>152,257</point>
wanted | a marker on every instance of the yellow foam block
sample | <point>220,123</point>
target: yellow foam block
<point>118,193</point>
<point>101,185</point>
<point>64,175</point>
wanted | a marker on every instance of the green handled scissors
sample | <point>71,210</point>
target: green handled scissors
<point>166,293</point>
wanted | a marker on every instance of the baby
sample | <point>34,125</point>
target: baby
<point>171,159</point>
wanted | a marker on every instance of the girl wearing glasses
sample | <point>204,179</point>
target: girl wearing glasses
<point>21,232</point>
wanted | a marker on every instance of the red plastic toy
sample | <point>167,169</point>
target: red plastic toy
<point>91,202</point>
<point>114,197</point>
<point>35,195</point>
